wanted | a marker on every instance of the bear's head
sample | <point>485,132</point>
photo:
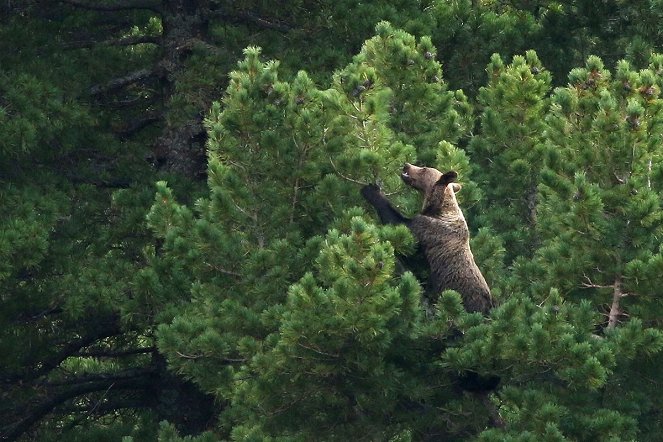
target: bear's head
<point>439,188</point>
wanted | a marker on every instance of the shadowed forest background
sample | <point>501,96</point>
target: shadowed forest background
<point>185,254</point>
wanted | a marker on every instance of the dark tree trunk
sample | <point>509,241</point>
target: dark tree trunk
<point>181,402</point>
<point>181,147</point>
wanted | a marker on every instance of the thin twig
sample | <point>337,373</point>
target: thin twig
<point>182,355</point>
<point>335,356</point>
<point>345,177</point>
<point>222,270</point>
<point>590,284</point>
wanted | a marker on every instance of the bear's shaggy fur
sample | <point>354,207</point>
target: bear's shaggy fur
<point>442,233</point>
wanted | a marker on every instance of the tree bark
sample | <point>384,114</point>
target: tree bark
<point>181,147</point>
<point>615,309</point>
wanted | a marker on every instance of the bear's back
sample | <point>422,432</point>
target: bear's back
<point>445,242</point>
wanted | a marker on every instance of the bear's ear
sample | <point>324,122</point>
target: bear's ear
<point>456,187</point>
<point>447,178</point>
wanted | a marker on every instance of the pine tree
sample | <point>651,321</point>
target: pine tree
<point>246,246</point>
<point>97,101</point>
<point>111,325</point>
<point>608,193</point>
<point>285,355</point>
<point>337,366</point>
<point>507,155</point>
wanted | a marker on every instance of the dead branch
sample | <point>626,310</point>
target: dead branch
<point>182,355</point>
<point>345,177</point>
<point>70,349</point>
<point>11,431</point>
<point>130,373</point>
<point>245,17</point>
<point>115,354</point>
<point>118,83</point>
<point>589,284</point>
<point>152,5</point>
<point>320,352</point>
<point>137,125</point>
<point>125,41</point>
<point>223,270</point>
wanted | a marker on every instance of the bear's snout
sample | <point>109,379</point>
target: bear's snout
<point>405,175</point>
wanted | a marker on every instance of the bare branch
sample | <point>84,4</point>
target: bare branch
<point>137,125</point>
<point>68,350</point>
<point>589,284</point>
<point>110,405</point>
<point>182,355</point>
<point>121,82</point>
<point>133,101</point>
<point>152,5</point>
<point>14,430</point>
<point>245,17</point>
<point>115,354</point>
<point>27,317</point>
<point>345,177</point>
<point>196,43</point>
<point>320,352</point>
<point>230,360</point>
<point>129,373</point>
<point>125,41</point>
<point>222,270</point>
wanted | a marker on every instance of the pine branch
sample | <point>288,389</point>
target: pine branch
<point>320,352</point>
<point>103,407</point>
<point>198,356</point>
<point>152,5</point>
<point>591,285</point>
<point>115,354</point>
<point>129,373</point>
<point>68,350</point>
<point>345,177</point>
<point>125,41</point>
<point>108,406</point>
<point>118,183</point>
<point>12,431</point>
<point>223,270</point>
<point>196,43</point>
<point>130,102</point>
<point>137,125</point>
<point>31,316</point>
<point>245,17</point>
<point>121,82</point>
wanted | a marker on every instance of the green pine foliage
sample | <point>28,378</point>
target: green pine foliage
<point>609,190</point>
<point>318,358</point>
<point>336,366</point>
<point>256,297</point>
<point>508,153</point>
<point>244,246</point>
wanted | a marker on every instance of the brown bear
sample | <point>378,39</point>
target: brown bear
<point>442,234</point>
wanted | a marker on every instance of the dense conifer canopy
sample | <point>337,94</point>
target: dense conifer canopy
<point>185,253</point>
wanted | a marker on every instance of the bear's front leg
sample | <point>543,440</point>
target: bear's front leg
<point>386,212</point>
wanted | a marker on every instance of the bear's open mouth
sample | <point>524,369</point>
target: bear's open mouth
<point>405,176</point>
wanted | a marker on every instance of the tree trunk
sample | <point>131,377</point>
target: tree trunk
<point>181,146</point>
